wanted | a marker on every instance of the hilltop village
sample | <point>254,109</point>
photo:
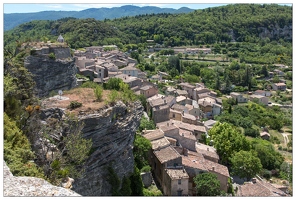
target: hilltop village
<point>183,115</point>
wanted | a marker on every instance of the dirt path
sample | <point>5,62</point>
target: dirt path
<point>286,139</point>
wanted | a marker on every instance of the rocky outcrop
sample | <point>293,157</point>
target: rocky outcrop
<point>52,75</point>
<point>112,131</point>
<point>276,32</point>
<point>30,186</point>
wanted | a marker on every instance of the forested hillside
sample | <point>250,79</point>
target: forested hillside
<point>239,22</point>
<point>12,20</point>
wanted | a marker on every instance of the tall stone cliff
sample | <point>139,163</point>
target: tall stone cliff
<point>52,75</point>
<point>112,131</point>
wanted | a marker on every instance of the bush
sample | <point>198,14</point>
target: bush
<point>146,168</point>
<point>99,92</point>
<point>266,174</point>
<point>74,104</point>
<point>280,148</point>
<point>89,84</point>
<point>113,96</point>
<point>52,56</point>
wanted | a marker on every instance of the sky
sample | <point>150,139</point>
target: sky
<point>35,6</point>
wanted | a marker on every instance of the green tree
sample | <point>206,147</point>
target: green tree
<point>246,164</point>
<point>146,124</point>
<point>17,151</point>
<point>136,183</point>
<point>227,141</point>
<point>141,149</point>
<point>269,157</point>
<point>113,84</point>
<point>207,184</point>
<point>126,187</point>
<point>99,92</point>
<point>174,63</point>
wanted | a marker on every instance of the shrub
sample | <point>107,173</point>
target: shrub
<point>89,84</point>
<point>52,56</point>
<point>99,92</point>
<point>75,104</point>
<point>266,174</point>
<point>146,168</point>
<point>280,148</point>
<point>113,96</point>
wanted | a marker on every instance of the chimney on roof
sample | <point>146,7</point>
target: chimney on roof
<point>208,148</point>
<point>183,112</point>
<point>168,124</point>
<point>213,168</point>
<point>253,180</point>
<point>183,169</point>
<point>164,101</point>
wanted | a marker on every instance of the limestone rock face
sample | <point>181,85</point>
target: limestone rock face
<point>30,186</point>
<point>112,131</point>
<point>52,75</point>
<point>276,32</point>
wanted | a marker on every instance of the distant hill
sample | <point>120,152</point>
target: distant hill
<point>14,19</point>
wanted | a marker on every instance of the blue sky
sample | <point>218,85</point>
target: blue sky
<point>35,6</point>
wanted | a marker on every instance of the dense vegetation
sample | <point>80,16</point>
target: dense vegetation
<point>233,32</point>
<point>14,19</point>
<point>239,22</point>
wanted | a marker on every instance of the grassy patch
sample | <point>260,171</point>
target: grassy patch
<point>275,133</point>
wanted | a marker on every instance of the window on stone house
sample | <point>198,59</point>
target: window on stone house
<point>179,181</point>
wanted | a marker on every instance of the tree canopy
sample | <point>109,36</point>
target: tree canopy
<point>246,164</point>
<point>227,141</point>
<point>207,184</point>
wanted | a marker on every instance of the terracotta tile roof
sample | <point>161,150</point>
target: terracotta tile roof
<point>187,134</point>
<point>169,127</point>
<point>166,154</point>
<point>146,87</point>
<point>196,162</point>
<point>280,84</point>
<point>259,189</point>
<point>178,107</point>
<point>162,107</point>
<point>161,101</point>
<point>189,116</point>
<point>264,133</point>
<point>216,167</point>
<point>160,143</point>
<point>181,92</point>
<point>202,95</point>
<point>189,127</point>
<point>190,107</point>
<point>180,98</point>
<point>187,85</point>
<point>206,150</point>
<point>177,173</point>
<point>154,135</point>
<point>201,90</point>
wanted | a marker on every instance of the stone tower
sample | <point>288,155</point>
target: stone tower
<point>60,39</point>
